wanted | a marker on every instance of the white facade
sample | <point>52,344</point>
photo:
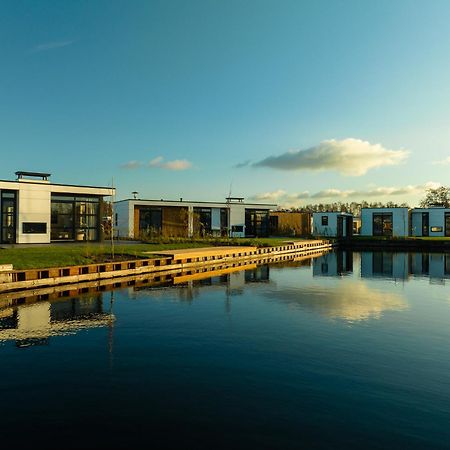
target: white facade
<point>332,224</point>
<point>30,209</point>
<point>430,221</point>
<point>124,214</point>
<point>394,222</point>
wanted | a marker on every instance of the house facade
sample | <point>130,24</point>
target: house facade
<point>290,223</point>
<point>134,218</point>
<point>36,211</point>
<point>434,221</point>
<point>388,222</point>
<point>332,224</point>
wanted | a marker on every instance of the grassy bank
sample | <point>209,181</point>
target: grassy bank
<point>381,243</point>
<point>58,255</point>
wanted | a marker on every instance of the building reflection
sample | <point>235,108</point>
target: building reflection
<point>333,264</point>
<point>403,266</point>
<point>34,324</point>
<point>234,282</point>
<point>385,265</point>
<point>34,320</point>
<point>397,266</point>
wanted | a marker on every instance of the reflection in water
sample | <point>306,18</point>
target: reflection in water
<point>386,265</point>
<point>34,324</point>
<point>284,370</point>
<point>333,264</point>
<point>353,301</point>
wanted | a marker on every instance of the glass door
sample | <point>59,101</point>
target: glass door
<point>447,224</point>
<point>425,224</point>
<point>8,217</point>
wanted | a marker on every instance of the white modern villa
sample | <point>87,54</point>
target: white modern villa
<point>37,211</point>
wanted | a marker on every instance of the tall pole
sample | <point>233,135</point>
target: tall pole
<point>112,219</point>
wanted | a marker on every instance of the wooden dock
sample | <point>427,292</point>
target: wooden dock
<point>163,262</point>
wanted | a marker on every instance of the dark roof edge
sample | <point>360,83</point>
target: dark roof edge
<point>55,184</point>
<point>192,201</point>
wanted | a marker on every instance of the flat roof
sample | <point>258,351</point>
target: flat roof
<point>57,184</point>
<point>21,173</point>
<point>191,201</point>
<point>332,212</point>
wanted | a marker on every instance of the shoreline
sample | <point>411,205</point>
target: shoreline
<point>175,260</point>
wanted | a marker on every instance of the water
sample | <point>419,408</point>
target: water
<point>342,351</point>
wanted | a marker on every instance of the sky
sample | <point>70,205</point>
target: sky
<point>278,101</point>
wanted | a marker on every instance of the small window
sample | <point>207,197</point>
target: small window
<point>237,228</point>
<point>324,220</point>
<point>436,229</point>
<point>34,228</point>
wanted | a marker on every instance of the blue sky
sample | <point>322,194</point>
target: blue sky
<point>315,101</point>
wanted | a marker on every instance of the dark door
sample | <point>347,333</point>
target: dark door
<point>340,226</point>
<point>425,224</point>
<point>447,224</point>
<point>8,217</point>
<point>349,226</point>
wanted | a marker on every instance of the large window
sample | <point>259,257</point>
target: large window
<point>74,218</point>
<point>256,222</point>
<point>382,224</point>
<point>447,224</point>
<point>202,221</point>
<point>8,217</point>
<point>150,221</point>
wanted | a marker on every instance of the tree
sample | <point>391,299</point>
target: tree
<point>436,197</point>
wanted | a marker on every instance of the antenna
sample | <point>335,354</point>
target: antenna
<point>112,219</point>
<point>228,209</point>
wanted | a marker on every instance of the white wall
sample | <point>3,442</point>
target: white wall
<point>399,220</point>
<point>436,219</point>
<point>331,228</point>
<point>33,205</point>
<point>237,218</point>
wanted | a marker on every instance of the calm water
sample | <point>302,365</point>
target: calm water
<point>342,351</point>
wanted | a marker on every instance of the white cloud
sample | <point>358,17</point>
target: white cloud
<point>285,199</point>
<point>156,162</point>
<point>52,45</point>
<point>272,196</point>
<point>442,162</point>
<point>352,157</point>
<point>177,164</point>
<point>159,163</point>
<point>132,165</point>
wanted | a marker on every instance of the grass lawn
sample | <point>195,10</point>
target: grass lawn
<point>59,255</point>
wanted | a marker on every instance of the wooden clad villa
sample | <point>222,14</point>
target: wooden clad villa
<point>135,218</point>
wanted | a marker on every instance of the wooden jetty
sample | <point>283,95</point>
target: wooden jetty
<point>164,262</point>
